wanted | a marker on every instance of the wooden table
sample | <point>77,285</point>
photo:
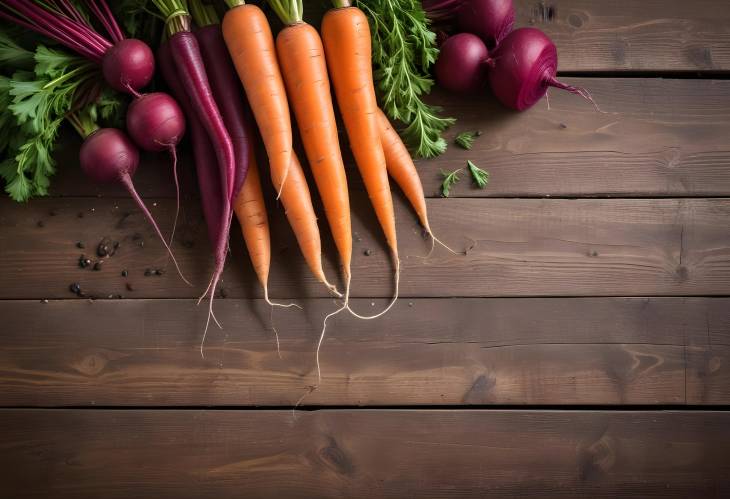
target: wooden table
<point>580,348</point>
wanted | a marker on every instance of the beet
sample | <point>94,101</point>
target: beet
<point>491,20</point>
<point>523,67</point>
<point>462,63</point>
<point>155,122</point>
<point>128,65</point>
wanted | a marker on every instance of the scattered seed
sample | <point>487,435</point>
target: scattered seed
<point>129,287</point>
<point>125,273</point>
<point>80,214</point>
<point>75,288</point>
<point>84,262</point>
<point>110,296</point>
<point>478,133</point>
<point>148,272</point>
<point>120,297</point>
<point>410,303</point>
<point>368,252</point>
<point>41,223</point>
<point>44,300</point>
<point>563,125</point>
<point>80,245</point>
<point>372,303</point>
<point>97,265</point>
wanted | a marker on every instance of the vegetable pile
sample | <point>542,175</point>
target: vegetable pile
<point>520,65</point>
<point>228,75</point>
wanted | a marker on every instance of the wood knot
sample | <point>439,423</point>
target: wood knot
<point>336,459</point>
<point>597,458</point>
<point>480,390</point>
<point>91,365</point>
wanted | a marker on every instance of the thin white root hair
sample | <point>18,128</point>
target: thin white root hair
<point>310,389</point>
<point>277,304</point>
<point>332,288</point>
<point>173,153</point>
<point>281,186</point>
<point>321,338</point>
<point>395,296</point>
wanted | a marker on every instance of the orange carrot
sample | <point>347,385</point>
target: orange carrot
<point>251,45</point>
<point>403,171</point>
<point>305,74</point>
<point>299,211</point>
<point>346,38</point>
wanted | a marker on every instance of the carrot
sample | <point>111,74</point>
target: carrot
<point>301,57</point>
<point>251,45</point>
<point>401,168</point>
<point>299,210</point>
<point>346,38</point>
<point>185,53</point>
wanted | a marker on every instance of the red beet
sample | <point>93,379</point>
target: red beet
<point>128,65</point>
<point>462,63</point>
<point>155,122</point>
<point>491,20</point>
<point>524,67</point>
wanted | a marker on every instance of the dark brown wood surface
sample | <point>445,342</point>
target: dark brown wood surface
<point>363,454</point>
<point>654,138</point>
<point>516,247</point>
<point>646,35</point>
<point>559,308</point>
<point>425,352</point>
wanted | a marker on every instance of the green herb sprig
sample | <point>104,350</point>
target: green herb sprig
<point>450,178</point>
<point>404,48</point>
<point>480,177</point>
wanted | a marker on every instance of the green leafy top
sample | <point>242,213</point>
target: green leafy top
<point>450,178</point>
<point>33,103</point>
<point>481,177</point>
<point>466,139</point>
<point>404,48</point>
<point>289,11</point>
<point>139,20</point>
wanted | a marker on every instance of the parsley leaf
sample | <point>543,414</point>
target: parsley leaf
<point>450,178</point>
<point>480,177</point>
<point>403,50</point>
<point>466,139</point>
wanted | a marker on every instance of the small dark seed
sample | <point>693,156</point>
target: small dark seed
<point>97,266</point>
<point>368,252</point>
<point>148,272</point>
<point>563,125</point>
<point>129,287</point>
<point>120,297</point>
<point>80,245</point>
<point>125,273</point>
<point>479,133</point>
<point>84,262</point>
<point>75,288</point>
<point>116,244</point>
<point>80,214</point>
<point>41,223</point>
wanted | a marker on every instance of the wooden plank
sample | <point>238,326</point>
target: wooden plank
<point>517,247</point>
<point>651,35</point>
<point>425,352</point>
<point>363,454</point>
<point>639,146</point>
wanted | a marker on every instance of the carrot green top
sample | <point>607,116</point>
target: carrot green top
<point>177,17</point>
<point>235,3</point>
<point>339,4</point>
<point>203,14</point>
<point>289,11</point>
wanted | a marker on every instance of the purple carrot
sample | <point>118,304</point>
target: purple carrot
<point>207,170</point>
<point>191,70</point>
<point>229,95</point>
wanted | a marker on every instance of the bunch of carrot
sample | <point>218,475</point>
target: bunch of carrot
<point>293,70</point>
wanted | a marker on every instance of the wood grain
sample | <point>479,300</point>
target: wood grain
<point>650,35</point>
<point>363,454</point>
<point>516,247</point>
<point>638,147</point>
<point>424,352</point>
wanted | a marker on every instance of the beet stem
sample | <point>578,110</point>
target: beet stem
<point>126,180</point>
<point>554,82</point>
